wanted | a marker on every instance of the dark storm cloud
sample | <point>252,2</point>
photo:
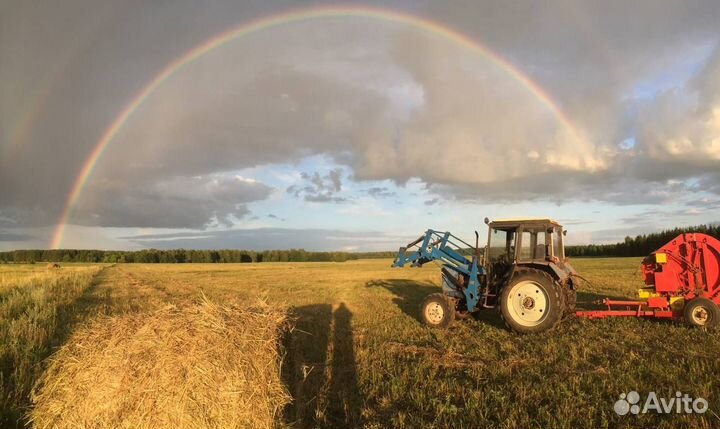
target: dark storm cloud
<point>386,101</point>
<point>272,238</point>
<point>14,236</point>
<point>710,183</point>
<point>66,71</point>
<point>179,202</point>
<point>380,192</point>
<point>563,187</point>
<point>319,188</point>
<point>708,203</point>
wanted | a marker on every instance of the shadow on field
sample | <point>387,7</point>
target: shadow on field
<point>490,317</point>
<point>17,378</point>
<point>320,370</point>
<point>409,294</point>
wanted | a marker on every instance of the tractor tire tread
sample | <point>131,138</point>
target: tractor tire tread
<point>570,294</point>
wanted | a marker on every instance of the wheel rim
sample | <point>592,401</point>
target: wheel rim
<point>434,313</point>
<point>528,303</point>
<point>700,316</point>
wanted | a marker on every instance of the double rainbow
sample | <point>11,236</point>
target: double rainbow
<point>277,20</point>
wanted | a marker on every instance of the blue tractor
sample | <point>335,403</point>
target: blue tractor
<point>522,271</point>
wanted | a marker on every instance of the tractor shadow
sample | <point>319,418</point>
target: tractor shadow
<point>410,294</point>
<point>319,369</point>
<point>490,317</point>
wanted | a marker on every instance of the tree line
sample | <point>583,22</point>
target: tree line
<point>179,256</point>
<point>640,245</point>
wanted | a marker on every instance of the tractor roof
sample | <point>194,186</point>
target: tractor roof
<point>516,222</point>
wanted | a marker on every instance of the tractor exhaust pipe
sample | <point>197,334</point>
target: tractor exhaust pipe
<point>477,246</point>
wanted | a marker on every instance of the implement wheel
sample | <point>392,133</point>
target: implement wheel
<point>531,302</point>
<point>437,311</point>
<point>702,313</point>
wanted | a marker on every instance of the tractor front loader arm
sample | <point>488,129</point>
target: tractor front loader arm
<point>433,246</point>
<point>447,249</point>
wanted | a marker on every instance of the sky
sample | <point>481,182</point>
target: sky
<point>352,126</point>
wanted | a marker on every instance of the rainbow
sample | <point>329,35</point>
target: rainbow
<point>265,23</point>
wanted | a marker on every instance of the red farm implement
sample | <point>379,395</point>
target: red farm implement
<point>683,282</point>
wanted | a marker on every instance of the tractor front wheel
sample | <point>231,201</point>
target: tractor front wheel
<point>702,313</point>
<point>531,302</point>
<point>437,311</point>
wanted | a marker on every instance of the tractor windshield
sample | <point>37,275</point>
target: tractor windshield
<point>558,244</point>
<point>532,244</point>
<point>501,246</point>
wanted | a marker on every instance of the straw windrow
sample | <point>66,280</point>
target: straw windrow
<point>198,366</point>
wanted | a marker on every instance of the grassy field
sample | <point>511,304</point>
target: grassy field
<point>36,314</point>
<point>359,357</point>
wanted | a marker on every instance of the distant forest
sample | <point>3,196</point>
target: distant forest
<point>640,245</point>
<point>179,256</point>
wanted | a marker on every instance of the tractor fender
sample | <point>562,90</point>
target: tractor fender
<point>563,276</point>
<point>559,274</point>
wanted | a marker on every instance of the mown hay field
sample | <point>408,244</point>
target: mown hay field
<point>36,315</point>
<point>359,357</point>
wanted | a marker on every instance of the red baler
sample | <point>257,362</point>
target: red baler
<point>683,282</point>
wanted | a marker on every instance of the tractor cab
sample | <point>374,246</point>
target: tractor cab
<point>532,243</point>
<point>523,242</point>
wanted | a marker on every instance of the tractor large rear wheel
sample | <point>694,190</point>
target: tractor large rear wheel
<point>437,311</point>
<point>531,302</point>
